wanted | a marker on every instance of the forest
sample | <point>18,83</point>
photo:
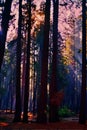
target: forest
<point>43,60</point>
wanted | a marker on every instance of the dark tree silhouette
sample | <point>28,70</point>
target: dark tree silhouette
<point>82,116</point>
<point>4,26</point>
<point>27,74</point>
<point>42,101</point>
<point>53,114</point>
<point>17,117</point>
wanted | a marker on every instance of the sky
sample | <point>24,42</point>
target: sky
<point>38,2</point>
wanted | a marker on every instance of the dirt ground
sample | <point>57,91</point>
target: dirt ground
<point>62,125</point>
<point>66,124</point>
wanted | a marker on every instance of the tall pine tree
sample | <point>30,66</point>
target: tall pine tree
<point>4,27</point>
<point>53,113</point>
<point>42,101</point>
<point>82,115</point>
<point>17,117</point>
<point>27,74</point>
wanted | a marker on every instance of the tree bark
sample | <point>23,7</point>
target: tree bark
<point>82,116</point>
<point>27,74</point>
<point>42,102</point>
<point>53,113</point>
<point>4,27</point>
<point>17,117</point>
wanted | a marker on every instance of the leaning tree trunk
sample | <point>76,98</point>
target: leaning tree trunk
<point>17,117</point>
<point>4,27</point>
<point>42,101</point>
<point>82,116</point>
<point>53,113</point>
<point>27,74</point>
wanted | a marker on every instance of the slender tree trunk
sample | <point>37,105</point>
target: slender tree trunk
<point>4,26</point>
<point>34,80</point>
<point>82,116</point>
<point>11,96</point>
<point>23,77</point>
<point>53,114</point>
<point>27,75</point>
<point>42,102</point>
<point>17,117</point>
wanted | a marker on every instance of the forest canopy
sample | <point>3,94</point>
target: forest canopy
<point>43,58</point>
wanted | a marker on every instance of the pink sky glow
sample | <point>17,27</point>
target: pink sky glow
<point>63,14</point>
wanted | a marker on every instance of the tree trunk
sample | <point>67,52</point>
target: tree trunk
<point>53,113</point>
<point>34,80</point>
<point>4,26</point>
<point>42,102</point>
<point>82,116</point>
<point>23,76</point>
<point>27,74</point>
<point>17,117</point>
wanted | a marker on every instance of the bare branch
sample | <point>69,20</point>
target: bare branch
<point>64,4</point>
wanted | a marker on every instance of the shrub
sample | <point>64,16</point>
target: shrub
<point>65,112</point>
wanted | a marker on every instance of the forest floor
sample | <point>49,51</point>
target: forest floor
<point>64,124</point>
<point>48,126</point>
